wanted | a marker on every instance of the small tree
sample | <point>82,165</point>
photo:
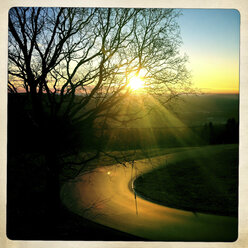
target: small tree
<point>74,64</point>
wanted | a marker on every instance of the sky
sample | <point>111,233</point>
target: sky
<point>211,41</point>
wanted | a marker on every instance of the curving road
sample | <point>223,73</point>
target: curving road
<point>104,196</point>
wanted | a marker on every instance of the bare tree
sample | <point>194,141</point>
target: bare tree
<point>64,51</point>
<point>75,65</point>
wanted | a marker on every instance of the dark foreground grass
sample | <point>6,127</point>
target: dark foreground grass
<point>208,183</point>
<point>29,215</point>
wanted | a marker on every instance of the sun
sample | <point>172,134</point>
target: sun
<point>136,83</point>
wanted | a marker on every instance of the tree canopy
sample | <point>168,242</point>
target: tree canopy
<point>57,54</point>
<point>74,67</point>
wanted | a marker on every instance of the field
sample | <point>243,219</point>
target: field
<point>203,122</point>
<point>207,183</point>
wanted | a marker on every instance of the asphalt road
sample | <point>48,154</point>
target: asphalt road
<point>105,196</point>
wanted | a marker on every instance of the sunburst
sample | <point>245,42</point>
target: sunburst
<point>136,83</point>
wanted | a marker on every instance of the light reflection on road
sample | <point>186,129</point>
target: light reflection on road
<point>105,196</point>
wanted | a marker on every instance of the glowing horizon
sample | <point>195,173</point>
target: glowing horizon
<point>211,41</point>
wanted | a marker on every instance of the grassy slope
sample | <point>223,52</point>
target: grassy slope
<point>207,184</point>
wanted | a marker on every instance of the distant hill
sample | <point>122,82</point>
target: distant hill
<point>193,111</point>
<point>190,111</point>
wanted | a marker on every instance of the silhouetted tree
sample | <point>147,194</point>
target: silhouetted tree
<point>74,64</point>
<point>221,133</point>
<point>231,132</point>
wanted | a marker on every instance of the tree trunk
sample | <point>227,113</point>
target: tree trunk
<point>53,204</point>
<point>36,105</point>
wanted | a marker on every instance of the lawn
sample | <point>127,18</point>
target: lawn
<point>207,183</point>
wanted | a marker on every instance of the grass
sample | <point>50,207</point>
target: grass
<point>28,212</point>
<point>28,217</point>
<point>208,183</point>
